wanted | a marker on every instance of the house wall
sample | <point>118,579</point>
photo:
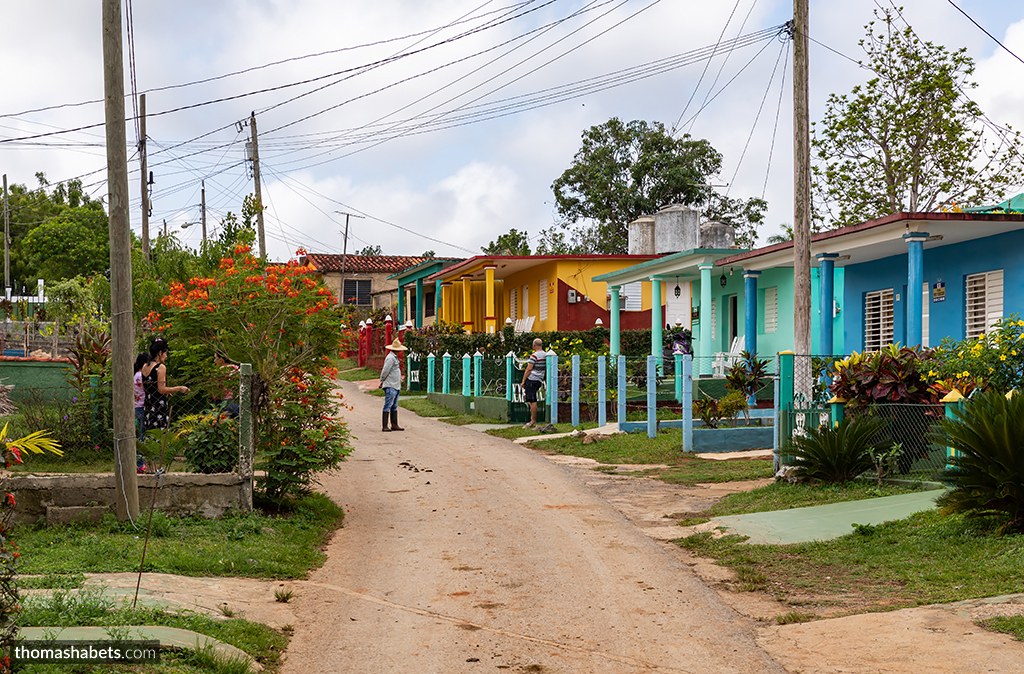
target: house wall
<point>378,282</point>
<point>950,264</point>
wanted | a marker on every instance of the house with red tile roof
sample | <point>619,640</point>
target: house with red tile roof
<point>361,280</point>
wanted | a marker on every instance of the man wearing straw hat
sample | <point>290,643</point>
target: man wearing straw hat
<point>391,382</point>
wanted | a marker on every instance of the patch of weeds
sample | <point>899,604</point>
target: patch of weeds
<point>52,581</point>
<point>283,596</point>
<point>691,521</point>
<point>466,419</point>
<point>794,617</point>
<point>226,610</point>
<point>1012,625</point>
<point>517,430</point>
<point>282,541</point>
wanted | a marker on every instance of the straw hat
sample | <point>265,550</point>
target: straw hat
<point>396,346</point>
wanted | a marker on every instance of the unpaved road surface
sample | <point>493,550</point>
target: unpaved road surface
<point>465,553</point>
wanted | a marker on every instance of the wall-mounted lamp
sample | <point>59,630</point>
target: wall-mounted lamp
<point>677,291</point>
<point>723,281</point>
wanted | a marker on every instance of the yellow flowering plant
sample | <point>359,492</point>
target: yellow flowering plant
<point>991,362</point>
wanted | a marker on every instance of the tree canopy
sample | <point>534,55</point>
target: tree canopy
<point>909,139</point>
<point>512,242</point>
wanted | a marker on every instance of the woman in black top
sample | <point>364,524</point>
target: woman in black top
<point>155,385</point>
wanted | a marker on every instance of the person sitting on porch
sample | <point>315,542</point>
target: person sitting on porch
<point>533,377</point>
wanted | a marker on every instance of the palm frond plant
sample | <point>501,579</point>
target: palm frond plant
<point>986,472</point>
<point>836,454</point>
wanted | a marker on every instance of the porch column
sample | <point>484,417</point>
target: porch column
<point>467,306</point>
<point>401,303</point>
<point>704,366</point>
<point>490,320</point>
<point>915,277</point>
<point>446,302</point>
<point>419,303</point>
<point>657,319</point>
<point>613,316</point>
<point>437,301</point>
<point>750,310</point>
<point>826,288</point>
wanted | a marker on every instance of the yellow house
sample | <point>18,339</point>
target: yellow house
<point>556,291</point>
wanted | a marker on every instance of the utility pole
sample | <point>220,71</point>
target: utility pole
<point>344,251</point>
<point>165,226</point>
<point>122,339</point>
<point>801,184</point>
<point>256,181</point>
<point>144,177</point>
<point>204,210</point>
<point>7,238</point>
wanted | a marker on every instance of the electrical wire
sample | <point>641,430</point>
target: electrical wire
<point>775,131</point>
<point>982,29</point>
<point>706,65</point>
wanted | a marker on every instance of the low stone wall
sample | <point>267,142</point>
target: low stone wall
<point>713,440</point>
<point>45,496</point>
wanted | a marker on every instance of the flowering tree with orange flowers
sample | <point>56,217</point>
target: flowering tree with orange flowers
<point>286,324</point>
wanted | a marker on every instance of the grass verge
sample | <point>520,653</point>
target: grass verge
<point>517,431</point>
<point>255,545</point>
<point>783,496</point>
<point>1012,625</point>
<point>92,608</point>
<point>924,559</point>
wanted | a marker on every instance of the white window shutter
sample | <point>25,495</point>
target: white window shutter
<point>526,301</point>
<point>926,302</point>
<point>878,319</point>
<point>983,302</point>
<point>634,296</point>
<point>713,321</point>
<point>513,304</point>
<point>543,287</point>
<point>771,310</point>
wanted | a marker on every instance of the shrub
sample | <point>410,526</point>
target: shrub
<point>893,375</point>
<point>712,411</point>
<point>748,375</point>
<point>987,469</point>
<point>210,443</point>
<point>836,454</point>
<point>994,361</point>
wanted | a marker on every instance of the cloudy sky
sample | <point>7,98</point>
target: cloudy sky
<point>444,123</point>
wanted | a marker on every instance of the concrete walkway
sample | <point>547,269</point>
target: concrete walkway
<point>824,522</point>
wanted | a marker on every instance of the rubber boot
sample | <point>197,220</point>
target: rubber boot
<point>384,423</point>
<point>394,421</point>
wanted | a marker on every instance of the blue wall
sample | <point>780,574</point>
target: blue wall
<point>950,264</point>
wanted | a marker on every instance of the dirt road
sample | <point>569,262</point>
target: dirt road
<point>465,553</point>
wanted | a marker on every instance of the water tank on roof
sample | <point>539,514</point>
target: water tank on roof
<point>716,234</point>
<point>641,236</point>
<point>676,228</point>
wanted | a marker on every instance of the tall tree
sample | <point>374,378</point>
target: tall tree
<point>745,216</point>
<point>72,243</point>
<point>625,170</point>
<point>512,242</point>
<point>370,251</point>
<point>909,139</point>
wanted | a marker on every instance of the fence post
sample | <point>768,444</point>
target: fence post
<point>775,418</point>
<point>508,375</point>
<point>466,369</point>
<point>552,358</point>
<point>687,402</point>
<point>246,434</point>
<point>652,397</point>
<point>954,402</point>
<point>602,401</point>
<point>785,401</point>
<point>430,372</point>
<point>620,377</point>
<point>478,366</point>
<point>838,406</point>
<point>446,373</point>
<point>575,391</point>
<point>678,358</point>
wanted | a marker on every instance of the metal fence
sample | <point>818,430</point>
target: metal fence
<point>911,427</point>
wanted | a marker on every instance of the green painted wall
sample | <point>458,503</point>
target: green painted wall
<point>46,377</point>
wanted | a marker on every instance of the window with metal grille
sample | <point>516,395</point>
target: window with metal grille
<point>513,304</point>
<point>633,292</point>
<point>429,304</point>
<point>983,302</point>
<point>771,310</point>
<point>878,325</point>
<point>714,319</point>
<point>357,291</point>
<point>542,286</point>
<point>926,308</point>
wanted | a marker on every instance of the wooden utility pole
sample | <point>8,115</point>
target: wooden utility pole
<point>204,210</point>
<point>256,182</point>
<point>344,251</point>
<point>7,238</point>
<point>801,184</point>
<point>122,338</point>
<point>144,176</point>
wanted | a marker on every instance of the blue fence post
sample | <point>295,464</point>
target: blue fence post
<point>446,373</point>
<point>602,401</point>
<point>687,403</point>
<point>478,366</point>
<point>953,402</point>
<point>775,418</point>
<point>508,375</point>
<point>466,369</point>
<point>652,397</point>
<point>620,376</point>
<point>575,391</point>
<point>553,390</point>
<point>678,357</point>
<point>430,372</point>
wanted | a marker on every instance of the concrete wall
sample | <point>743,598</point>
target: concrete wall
<point>950,264</point>
<point>179,493</point>
<point>25,374</point>
<point>714,440</point>
<point>453,401</point>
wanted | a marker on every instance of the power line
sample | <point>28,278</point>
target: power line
<point>980,27</point>
<point>706,65</point>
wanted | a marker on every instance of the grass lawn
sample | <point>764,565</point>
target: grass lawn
<point>1013,625</point>
<point>926,558</point>
<point>90,608</point>
<point>428,408</point>
<point>517,431</point>
<point>349,370</point>
<point>254,545</point>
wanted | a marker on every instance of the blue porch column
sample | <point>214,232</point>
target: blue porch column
<point>437,301</point>
<point>750,310</point>
<point>401,305</point>
<point>826,289</point>
<point>657,319</point>
<point>706,349</point>
<point>613,311</point>
<point>915,277</point>
<point>419,303</point>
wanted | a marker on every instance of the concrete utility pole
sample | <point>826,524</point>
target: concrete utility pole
<point>122,339</point>
<point>7,238</point>
<point>144,176</point>
<point>204,210</point>
<point>256,182</point>
<point>801,184</point>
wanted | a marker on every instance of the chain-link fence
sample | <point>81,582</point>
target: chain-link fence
<point>910,429</point>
